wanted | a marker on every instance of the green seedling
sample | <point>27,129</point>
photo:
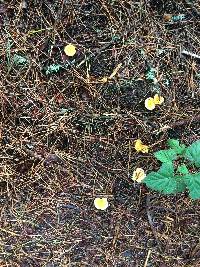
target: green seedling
<point>176,18</point>
<point>180,170</point>
<point>19,60</point>
<point>151,75</point>
<point>53,68</point>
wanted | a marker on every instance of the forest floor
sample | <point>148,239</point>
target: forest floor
<point>67,134</point>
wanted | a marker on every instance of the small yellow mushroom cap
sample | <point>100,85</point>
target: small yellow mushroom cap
<point>149,103</point>
<point>101,203</point>
<point>145,149</point>
<point>158,100</point>
<point>70,50</point>
<point>138,175</point>
<point>139,147</point>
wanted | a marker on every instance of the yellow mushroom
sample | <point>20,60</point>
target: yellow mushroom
<point>149,103</point>
<point>158,100</point>
<point>101,203</point>
<point>70,50</point>
<point>139,147</point>
<point>138,175</point>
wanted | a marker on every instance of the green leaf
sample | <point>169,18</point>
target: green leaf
<point>151,74</point>
<point>193,184</point>
<point>178,17</point>
<point>165,156</point>
<point>167,169</point>
<point>182,169</point>
<point>193,153</point>
<point>174,144</point>
<point>181,186</point>
<point>163,180</point>
<point>53,68</point>
<point>19,60</point>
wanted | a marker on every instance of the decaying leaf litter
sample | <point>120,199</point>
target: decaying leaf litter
<point>68,128</point>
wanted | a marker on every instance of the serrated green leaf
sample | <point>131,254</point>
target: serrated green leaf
<point>193,153</point>
<point>163,180</point>
<point>167,169</point>
<point>165,156</point>
<point>174,144</point>
<point>193,184</point>
<point>182,169</point>
<point>181,150</point>
<point>181,186</point>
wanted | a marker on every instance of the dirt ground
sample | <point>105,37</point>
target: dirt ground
<point>67,135</point>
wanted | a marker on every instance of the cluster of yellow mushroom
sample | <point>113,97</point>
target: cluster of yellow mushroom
<point>139,174</point>
<point>151,102</point>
